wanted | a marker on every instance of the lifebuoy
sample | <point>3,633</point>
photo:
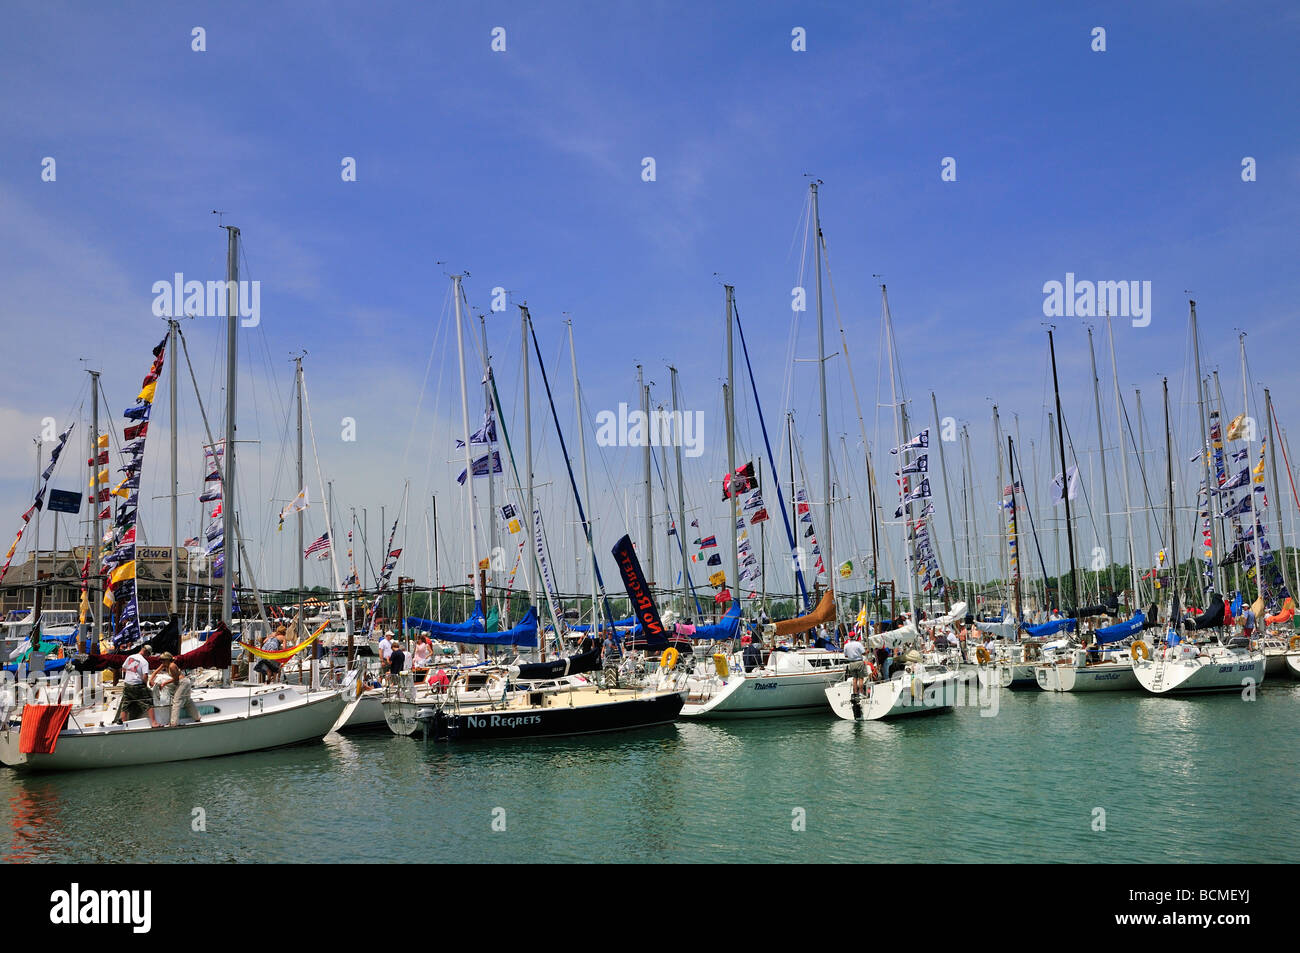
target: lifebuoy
<point>669,659</point>
<point>981,655</point>
<point>1140,648</point>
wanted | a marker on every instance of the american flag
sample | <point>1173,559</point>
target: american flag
<point>322,544</point>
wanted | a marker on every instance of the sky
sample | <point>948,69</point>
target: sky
<point>524,169</point>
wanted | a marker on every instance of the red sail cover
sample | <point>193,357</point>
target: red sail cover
<point>643,605</point>
<point>41,726</point>
<point>214,653</point>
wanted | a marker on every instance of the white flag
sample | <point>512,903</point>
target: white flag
<point>1073,476</point>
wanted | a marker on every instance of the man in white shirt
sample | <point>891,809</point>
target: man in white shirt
<point>137,699</point>
<point>857,668</point>
<point>385,649</point>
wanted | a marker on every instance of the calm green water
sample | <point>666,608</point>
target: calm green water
<point>1209,779</point>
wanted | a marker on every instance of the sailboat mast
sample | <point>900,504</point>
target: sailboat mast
<point>681,492</point>
<point>1169,478</point>
<point>900,431</point>
<point>649,489</point>
<point>469,454</point>
<point>586,480</point>
<point>1142,468</point>
<point>1277,488</point>
<point>729,403</point>
<point>829,561</point>
<point>1123,465</point>
<point>1015,570</point>
<point>1205,451</point>
<point>297,386</point>
<point>1065,474</point>
<point>1003,561</point>
<point>1101,450</point>
<point>1256,525</point>
<point>230,549</point>
<point>171,348</point>
<point>530,520</point>
<point>947,496</point>
<point>94,594</point>
<point>493,545</point>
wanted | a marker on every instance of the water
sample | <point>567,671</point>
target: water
<point>1209,779</point>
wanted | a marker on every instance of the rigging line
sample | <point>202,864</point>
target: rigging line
<point>1146,489</point>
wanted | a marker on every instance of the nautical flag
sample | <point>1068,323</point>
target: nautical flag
<point>672,529</point>
<point>754,502</point>
<point>485,434</point>
<point>1236,428</point>
<point>708,541</point>
<point>1073,477</point>
<point>1243,507</point>
<point>758,517</point>
<point>715,560</point>
<point>508,511</point>
<point>323,543</point>
<point>719,578</point>
<point>742,481</point>
<point>1241,479</point>
<point>920,465</point>
<point>740,523</point>
<point>847,569</point>
<point>1012,488</point>
<point>809,532</point>
<point>1196,456</point>
<point>920,442</point>
<point>1239,455</point>
<point>695,523</point>
<point>296,505</point>
<point>481,466</point>
<point>514,526</point>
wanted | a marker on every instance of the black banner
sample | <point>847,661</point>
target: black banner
<point>638,591</point>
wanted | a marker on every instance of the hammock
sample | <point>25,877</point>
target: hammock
<point>282,654</point>
<point>823,613</point>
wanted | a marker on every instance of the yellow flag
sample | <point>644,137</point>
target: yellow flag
<point>146,392</point>
<point>514,526</point>
<point>124,571</point>
<point>1236,427</point>
<point>101,477</point>
<point>102,442</point>
<point>120,491</point>
<point>484,563</point>
<point>719,578</point>
<point>84,608</point>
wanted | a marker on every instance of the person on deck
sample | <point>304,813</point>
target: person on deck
<point>423,652</point>
<point>269,670</point>
<point>137,699</point>
<point>855,652</point>
<point>182,687</point>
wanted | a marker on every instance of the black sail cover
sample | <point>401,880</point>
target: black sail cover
<point>1211,618</point>
<point>638,591</point>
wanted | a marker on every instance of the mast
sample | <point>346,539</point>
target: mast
<point>829,561</point>
<point>1123,465</point>
<point>681,492</point>
<point>649,490</point>
<point>1101,449</point>
<point>95,596</point>
<point>231,547</point>
<point>1142,452</point>
<point>493,544</point>
<point>1065,474</point>
<point>900,431</point>
<point>968,497</point>
<point>175,564</point>
<point>729,403</point>
<point>1056,523</point>
<point>586,482</point>
<point>1256,525</point>
<point>469,454</point>
<point>947,496</point>
<point>1003,561</point>
<point>1169,478</point>
<point>297,384</point>
<point>1277,489</point>
<point>531,520</point>
<point>1205,452</point>
<point>1015,570</point>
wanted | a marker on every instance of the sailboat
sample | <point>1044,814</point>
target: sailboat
<point>82,732</point>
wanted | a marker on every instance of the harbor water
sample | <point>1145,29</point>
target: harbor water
<point>1123,778</point>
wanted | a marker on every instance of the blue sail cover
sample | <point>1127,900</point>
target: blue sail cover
<point>1051,628</point>
<point>471,631</point>
<point>728,627</point>
<point>618,624</point>
<point>1121,630</point>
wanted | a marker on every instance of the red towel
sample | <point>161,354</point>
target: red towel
<point>41,727</point>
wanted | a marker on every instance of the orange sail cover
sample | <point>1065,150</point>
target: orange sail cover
<point>824,613</point>
<point>1286,614</point>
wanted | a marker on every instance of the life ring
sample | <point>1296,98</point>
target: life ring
<point>668,660</point>
<point>1140,649</point>
<point>981,655</point>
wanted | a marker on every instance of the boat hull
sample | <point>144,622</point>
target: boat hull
<point>279,718</point>
<point>766,696</point>
<point>556,720</point>
<point>898,697</point>
<point>1103,677</point>
<point>1190,676</point>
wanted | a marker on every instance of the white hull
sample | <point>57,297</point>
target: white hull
<point>362,712</point>
<point>1293,664</point>
<point>1115,676</point>
<point>903,694</point>
<point>233,721</point>
<point>764,696</point>
<point>1017,675</point>
<point>1219,671</point>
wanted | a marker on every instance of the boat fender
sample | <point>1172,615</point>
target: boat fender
<point>668,660</point>
<point>1140,649</point>
<point>981,655</point>
<point>720,665</point>
<point>918,686</point>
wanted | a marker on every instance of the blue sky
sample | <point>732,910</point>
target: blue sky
<point>524,168</point>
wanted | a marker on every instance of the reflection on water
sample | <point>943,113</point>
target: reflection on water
<point>1025,785</point>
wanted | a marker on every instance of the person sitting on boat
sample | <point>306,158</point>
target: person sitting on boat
<point>269,670</point>
<point>137,699</point>
<point>855,652</point>
<point>423,652</point>
<point>752,656</point>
